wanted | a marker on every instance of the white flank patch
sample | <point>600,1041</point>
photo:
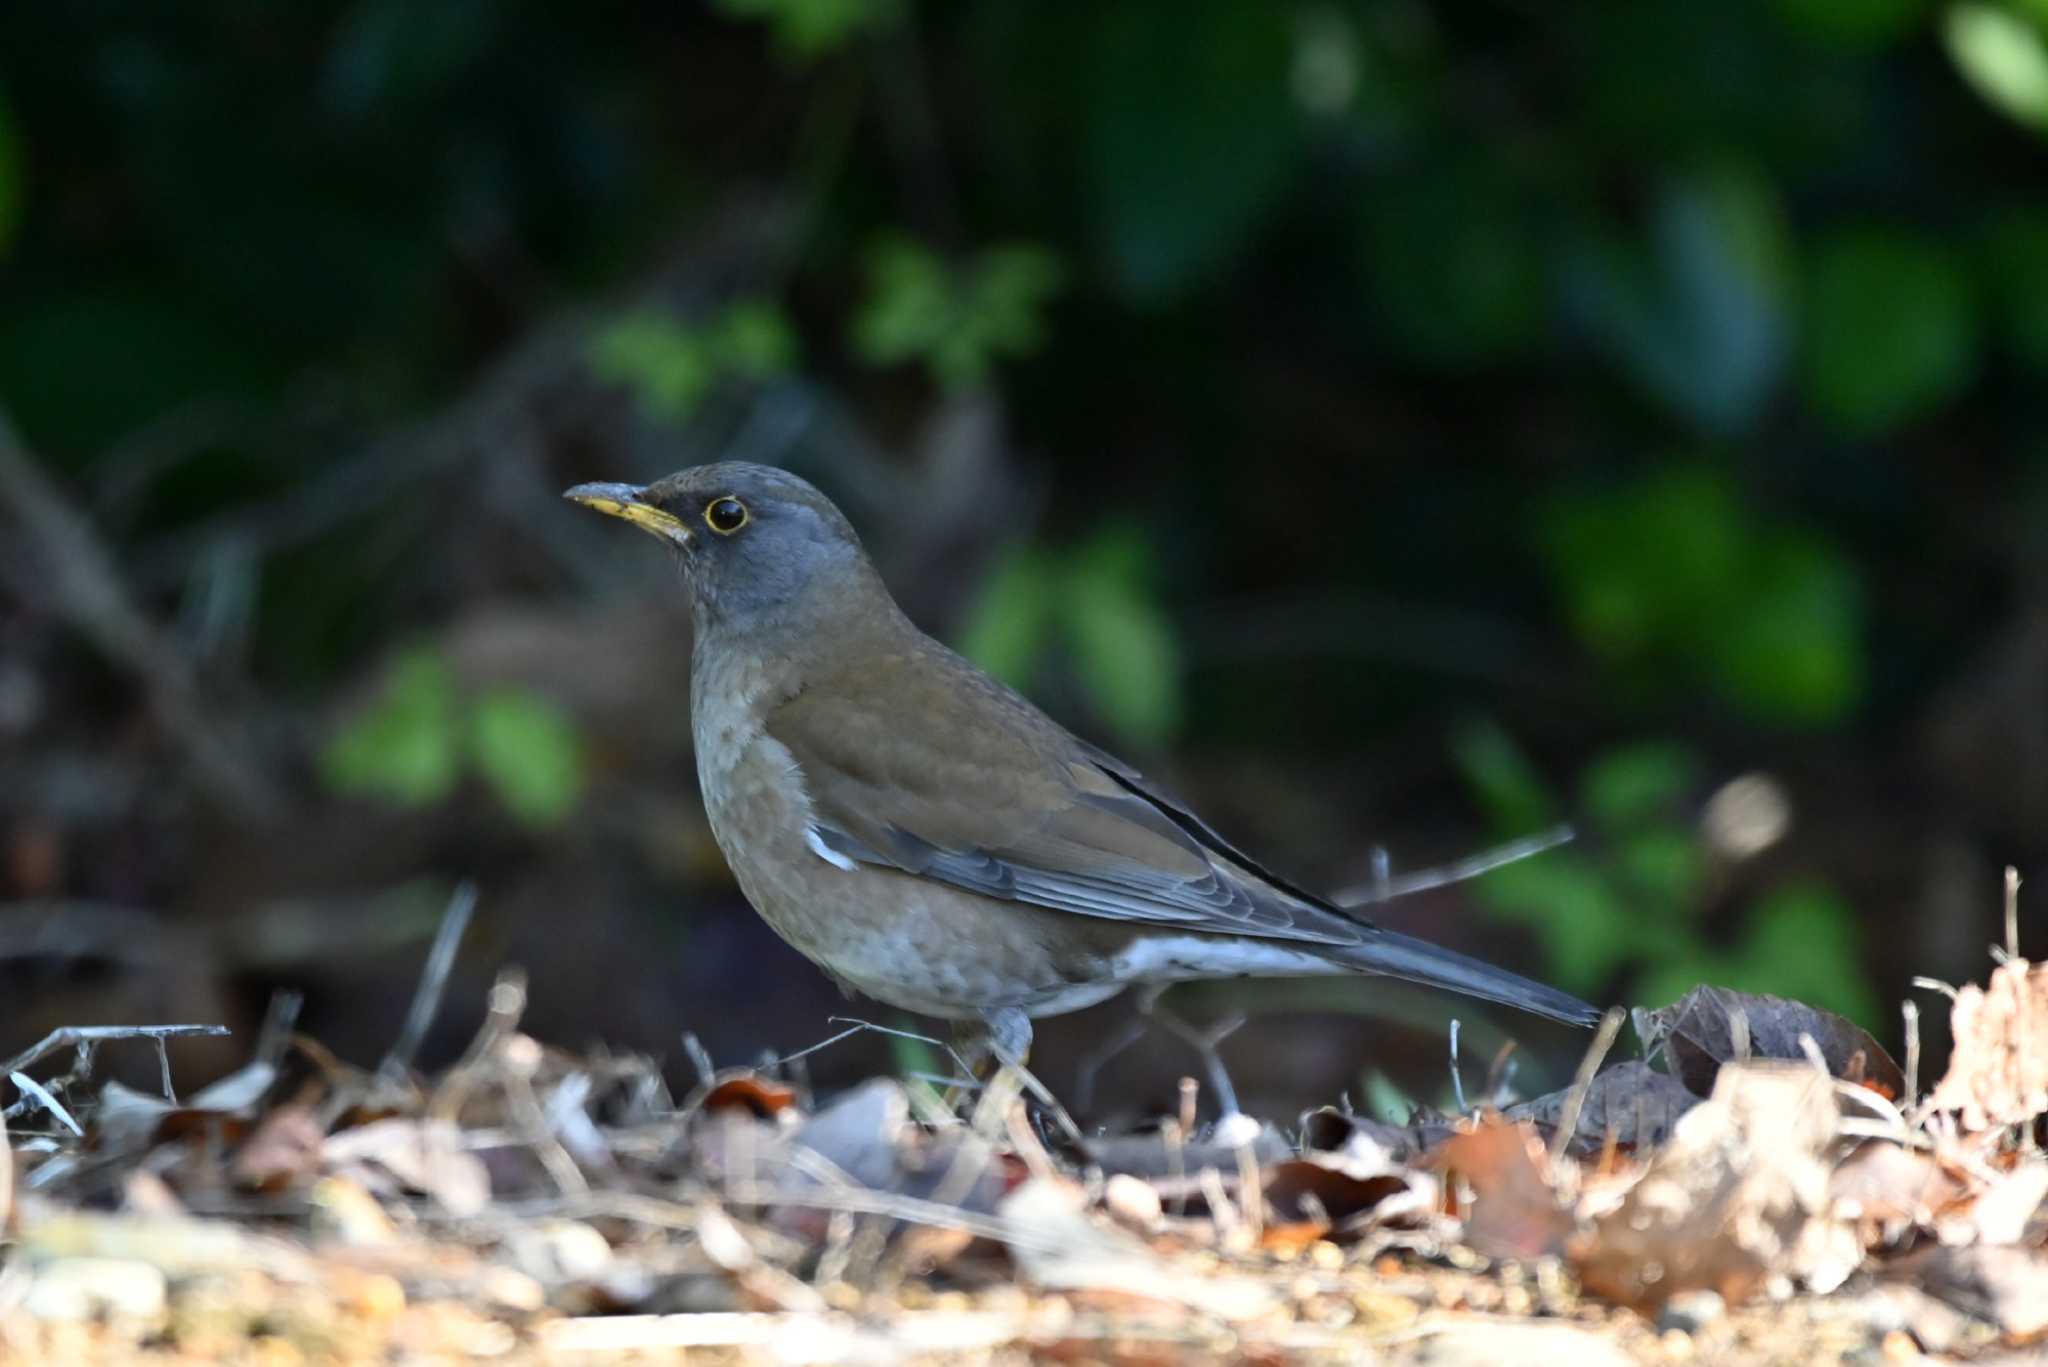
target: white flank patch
<point>1191,957</point>
<point>826,852</point>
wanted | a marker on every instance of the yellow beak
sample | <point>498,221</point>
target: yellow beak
<point>624,501</point>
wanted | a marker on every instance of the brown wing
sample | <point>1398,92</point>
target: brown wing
<point>965,782</point>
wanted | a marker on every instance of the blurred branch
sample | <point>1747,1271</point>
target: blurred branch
<point>72,572</point>
<point>542,380</point>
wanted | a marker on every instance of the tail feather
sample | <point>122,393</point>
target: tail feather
<point>1418,961</point>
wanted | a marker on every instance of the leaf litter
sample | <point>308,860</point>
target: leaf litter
<point>1761,1185</point>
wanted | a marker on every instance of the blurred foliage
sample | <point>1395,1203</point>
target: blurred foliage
<point>2004,56</point>
<point>808,29</point>
<point>1626,899</point>
<point>1669,577</point>
<point>956,322</point>
<point>672,367</point>
<point>1094,606</point>
<point>412,745</point>
<point>1700,342</point>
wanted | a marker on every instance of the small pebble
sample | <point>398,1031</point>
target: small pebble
<point>1690,1311</point>
<point>1131,1200</point>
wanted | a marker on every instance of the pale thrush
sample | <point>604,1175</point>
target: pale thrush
<point>924,833</point>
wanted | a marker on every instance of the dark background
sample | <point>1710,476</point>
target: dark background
<point>1394,425</point>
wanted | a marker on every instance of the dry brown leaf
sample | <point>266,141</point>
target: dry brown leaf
<point>1512,1211</point>
<point>2007,1287</point>
<point>1059,1247</point>
<point>283,1151</point>
<point>1631,1104</point>
<point>419,1155</point>
<point>1890,1191</point>
<point>1739,1195</point>
<point>1998,1074</point>
<point>1710,1026</point>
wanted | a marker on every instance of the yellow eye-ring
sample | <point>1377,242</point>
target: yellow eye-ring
<point>725,515</point>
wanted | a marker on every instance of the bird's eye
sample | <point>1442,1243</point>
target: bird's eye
<point>725,515</point>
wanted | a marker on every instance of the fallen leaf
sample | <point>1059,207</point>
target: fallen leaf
<point>1998,1074</point>
<point>1891,1191</point>
<point>284,1149</point>
<point>1631,1103</point>
<point>1512,1210</point>
<point>1739,1195</point>
<point>2006,1287</point>
<point>1058,1247</point>
<point>1710,1026</point>
<point>418,1155</point>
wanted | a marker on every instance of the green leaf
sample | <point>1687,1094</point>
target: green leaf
<point>1803,942</point>
<point>1696,315</point>
<point>1001,314</point>
<point>1125,649</point>
<point>1790,649</point>
<point>2003,56</point>
<point>528,751</point>
<point>1007,629</point>
<point>1641,566</point>
<point>805,30</point>
<point>1573,909</point>
<point>753,338</point>
<point>1637,784</point>
<point>1663,868</point>
<point>1513,793</point>
<point>917,308</point>
<point>404,747</point>
<point>669,367</point>
<point>1191,136</point>
<point>1891,331</point>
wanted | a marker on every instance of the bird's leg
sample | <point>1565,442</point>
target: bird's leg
<point>1204,1043</point>
<point>1008,1034</point>
<point>1095,1060</point>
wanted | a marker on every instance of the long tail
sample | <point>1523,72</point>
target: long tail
<point>1418,961</point>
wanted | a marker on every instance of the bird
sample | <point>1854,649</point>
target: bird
<point>929,837</point>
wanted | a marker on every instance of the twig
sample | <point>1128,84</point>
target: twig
<point>6,1180</point>
<point>1457,1080</point>
<point>1935,985</point>
<point>82,1036</point>
<point>31,1088</point>
<point>79,579</point>
<point>1582,1081</point>
<point>1384,887</point>
<point>2012,911</point>
<point>1909,1012</point>
<point>276,1034</point>
<point>426,998</point>
<point>505,1005</point>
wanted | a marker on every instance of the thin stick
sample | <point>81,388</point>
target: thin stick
<point>163,1061</point>
<point>1457,1081</point>
<point>2012,912</point>
<point>1909,1012</point>
<point>1582,1082</point>
<point>30,1087</point>
<point>84,1036</point>
<point>426,997</point>
<point>1384,887</point>
<point>1935,985</point>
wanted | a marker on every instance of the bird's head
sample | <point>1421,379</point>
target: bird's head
<point>757,544</point>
